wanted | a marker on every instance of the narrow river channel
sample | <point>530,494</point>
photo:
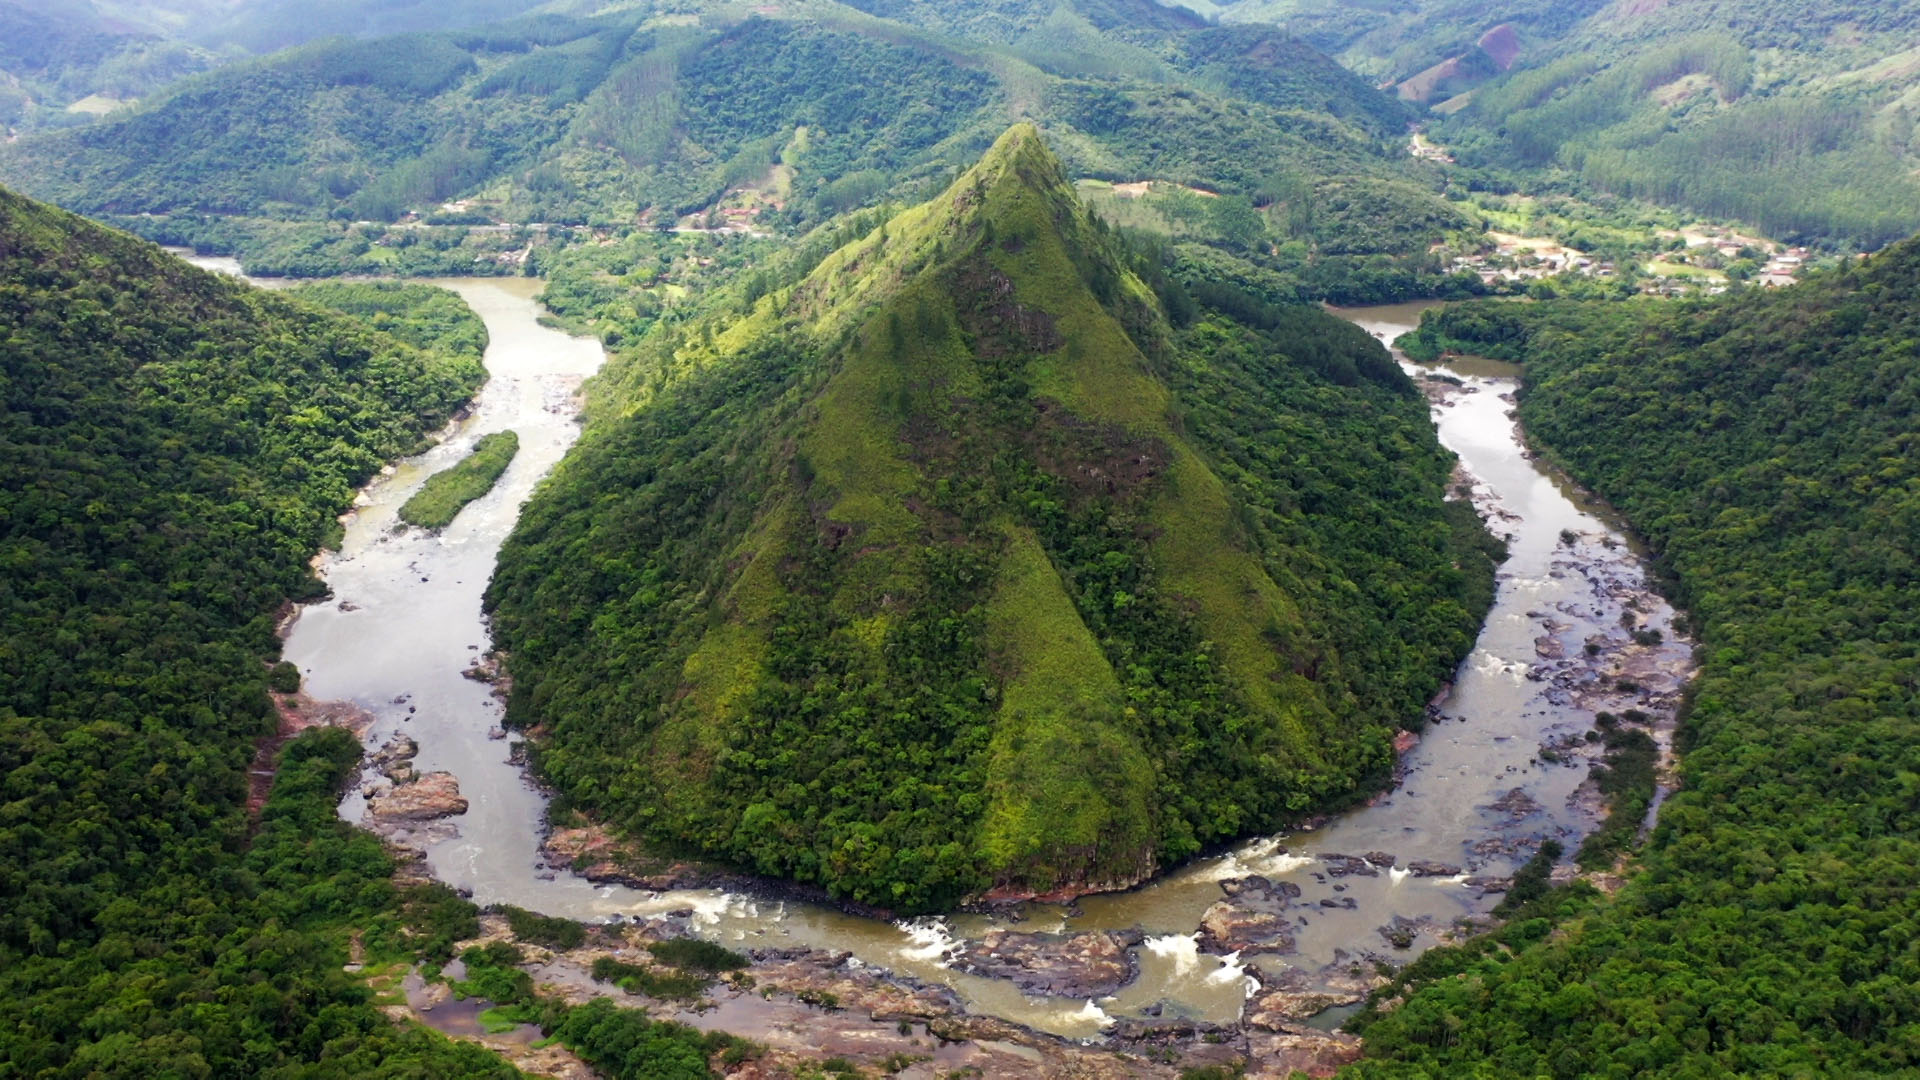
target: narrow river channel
<point>1481,787</point>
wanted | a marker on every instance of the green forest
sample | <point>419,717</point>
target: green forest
<point>976,505</point>
<point>1765,446</point>
<point>174,447</point>
<point>302,162</point>
<point>916,585</point>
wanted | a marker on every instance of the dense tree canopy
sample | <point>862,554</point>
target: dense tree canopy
<point>173,447</point>
<point>1767,447</point>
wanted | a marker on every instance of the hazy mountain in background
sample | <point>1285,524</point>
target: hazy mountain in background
<point>1797,118</point>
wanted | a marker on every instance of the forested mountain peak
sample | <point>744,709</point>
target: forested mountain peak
<point>968,598</point>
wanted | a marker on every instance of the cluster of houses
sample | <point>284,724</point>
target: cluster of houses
<point>1517,259</point>
<point>1782,268</point>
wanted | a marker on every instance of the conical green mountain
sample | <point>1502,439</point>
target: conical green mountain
<point>928,576</point>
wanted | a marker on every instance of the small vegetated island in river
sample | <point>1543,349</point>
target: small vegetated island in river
<point>953,563</point>
<point>448,491</point>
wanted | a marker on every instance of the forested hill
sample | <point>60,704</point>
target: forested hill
<point>1796,117</point>
<point>950,563</point>
<point>815,106</point>
<point>62,64</point>
<point>1767,445</point>
<point>174,446</point>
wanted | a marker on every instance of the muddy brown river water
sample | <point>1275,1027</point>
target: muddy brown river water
<point>403,622</point>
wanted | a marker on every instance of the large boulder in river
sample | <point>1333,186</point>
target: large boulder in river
<point>1250,919</point>
<point>435,795</point>
<point>1298,1050</point>
<point>1080,966</point>
<point>1226,927</point>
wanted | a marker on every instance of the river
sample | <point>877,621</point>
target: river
<point>404,621</point>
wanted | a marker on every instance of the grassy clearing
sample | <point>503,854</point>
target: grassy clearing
<point>1062,778</point>
<point>448,491</point>
<point>1663,268</point>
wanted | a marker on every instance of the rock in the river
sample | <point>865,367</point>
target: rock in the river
<point>1228,927</point>
<point>1082,965</point>
<point>1299,1050</point>
<point>1381,858</point>
<point>1516,803</point>
<point>1400,931</point>
<point>394,759</point>
<point>1289,999</point>
<point>1339,865</point>
<point>1259,888</point>
<point>1429,868</point>
<point>435,795</point>
<point>1249,920</point>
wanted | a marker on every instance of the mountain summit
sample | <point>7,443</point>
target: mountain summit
<point>911,581</point>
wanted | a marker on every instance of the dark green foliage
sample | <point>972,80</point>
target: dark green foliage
<point>562,72</point>
<point>173,447</point>
<point>1786,116</point>
<point>555,933</point>
<point>493,973</point>
<point>420,315</point>
<point>598,122</point>
<point>1627,780</point>
<point>625,1044</point>
<point>694,954</point>
<point>1531,882</point>
<point>639,979</point>
<point>1264,64</point>
<point>1766,447</point>
<point>448,491</point>
<point>283,678</point>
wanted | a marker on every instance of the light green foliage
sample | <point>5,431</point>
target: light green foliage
<point>448,491</point>
<point>917,586</point>
<point>1764,444</point>
<point>1065,774</point>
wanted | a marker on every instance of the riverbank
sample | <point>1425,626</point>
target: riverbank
<point>1229,956</point>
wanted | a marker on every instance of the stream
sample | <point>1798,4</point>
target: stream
<point>1381,882</point>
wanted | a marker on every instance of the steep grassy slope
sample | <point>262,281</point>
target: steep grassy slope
<point>173,448</point>
<point>928,575</point>
<point>1767,446</point>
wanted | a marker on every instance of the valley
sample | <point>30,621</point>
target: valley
<point>1295,915</point>
<point>859,538</point>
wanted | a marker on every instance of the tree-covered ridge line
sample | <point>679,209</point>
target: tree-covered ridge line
<point>914,585</point>
<point>174,446</point>
<point>1765,446</point>
<point>627,117</point>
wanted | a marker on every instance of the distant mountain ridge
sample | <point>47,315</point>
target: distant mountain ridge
<point>557,118</point>
<point>1798,118</point>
